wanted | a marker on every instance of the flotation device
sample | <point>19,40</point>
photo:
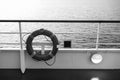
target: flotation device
<point>48,54</point>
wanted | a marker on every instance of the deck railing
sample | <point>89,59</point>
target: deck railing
<point>21,49</point>
<point>62,21</point>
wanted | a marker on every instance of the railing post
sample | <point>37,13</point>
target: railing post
<point>98,35</point>
<point>22,55</point>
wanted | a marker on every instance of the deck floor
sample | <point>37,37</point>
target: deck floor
<point>59,74</point>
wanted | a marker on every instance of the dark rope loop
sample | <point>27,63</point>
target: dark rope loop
<point>37,54</point>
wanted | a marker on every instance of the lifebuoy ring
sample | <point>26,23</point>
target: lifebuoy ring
<point>37,54</point>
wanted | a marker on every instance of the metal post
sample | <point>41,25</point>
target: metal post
<point>98,34</point>
<point>22,55</point>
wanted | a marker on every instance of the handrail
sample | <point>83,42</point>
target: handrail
<point>65,21</point>
<point>58,33</point>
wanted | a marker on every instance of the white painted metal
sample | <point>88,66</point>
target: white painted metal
<point>22,55</point>
<point>60,43</point>
<point>22,49</point>
<point>114,33</point>
<point>98,31</point>
<point>65,49</point>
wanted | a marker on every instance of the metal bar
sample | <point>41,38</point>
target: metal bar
<point>15,32</point>
<point>60,43</point>
<point>98,31</point>
<point>99,43</point>
<point>67,49</point>
<point>111,33</point>
<point>22,55</point>
<point>10,43</point>
<point>65,21</point>
<point>57,33</point>
<point>74,33</point>
<point>9,32</point>
<point>92,49</point>
<point>109,43</point>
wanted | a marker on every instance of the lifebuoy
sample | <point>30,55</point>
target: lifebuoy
<point>37,54</point>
